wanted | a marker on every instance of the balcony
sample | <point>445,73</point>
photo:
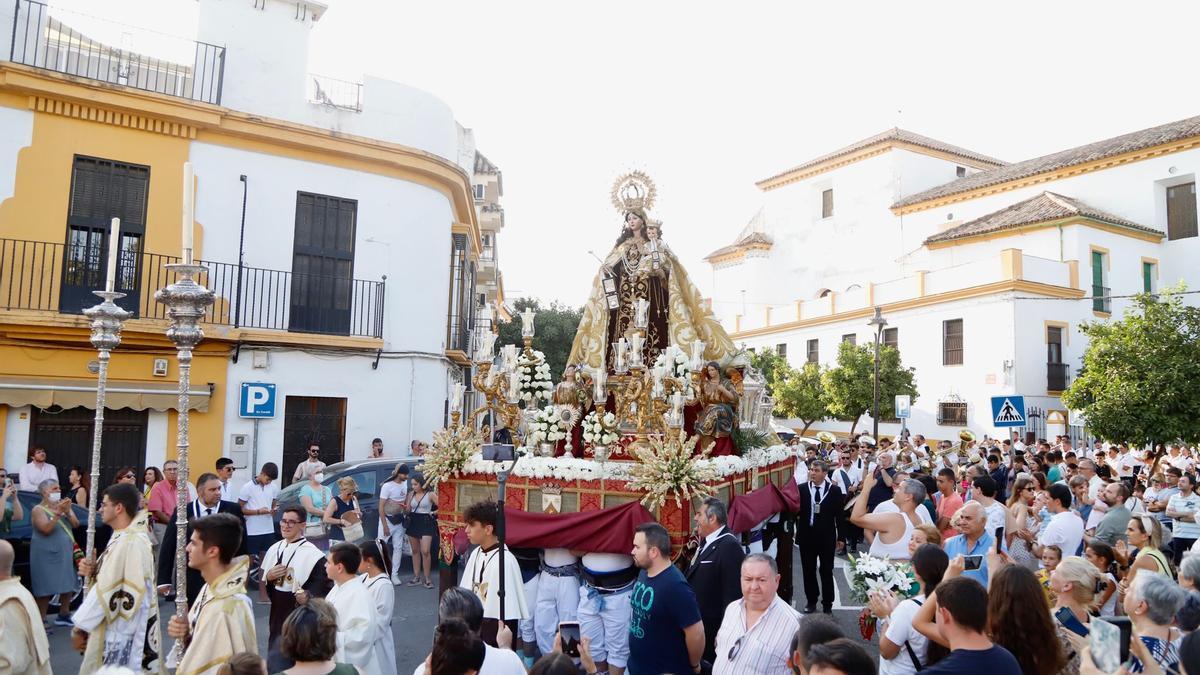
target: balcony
<point>340,94</point>
<point>45,276</point>
<point>1100,300</point>
<point>1058,376</point>
<point>44,39</point>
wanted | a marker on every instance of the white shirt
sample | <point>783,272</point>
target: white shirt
<point>31,475</point>
<point>226,492</point>
<point>889,506</point>
<point>1183,529</point>
<point>305,469</point>
<point>844,475</point>
<point>356,626</point>
<point>394,491</point>
<point>996,514</point>
<point>482,576</point>
<point>1065,530</point>
<point>384,595</point>
<point>765,646</point>
<point>900,630</point>
<point>256,496</point>
<point>495,662</point>
<point>816,495</point>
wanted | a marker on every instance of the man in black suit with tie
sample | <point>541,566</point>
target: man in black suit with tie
<point>816,533</point>
<point>208,502</point>
<point>716,572</point>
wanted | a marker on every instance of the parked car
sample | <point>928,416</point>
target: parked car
<point>22,533</point>
<point>369,474</point>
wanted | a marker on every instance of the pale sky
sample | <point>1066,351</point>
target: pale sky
<point>709,97</point>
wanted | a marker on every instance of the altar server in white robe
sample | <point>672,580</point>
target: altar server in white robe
<point>374,568</point>
<point>482,573</point>
<point>117,623</point>
<point>355,608</point>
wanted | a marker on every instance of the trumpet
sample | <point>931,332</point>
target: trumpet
<point>964,437</point>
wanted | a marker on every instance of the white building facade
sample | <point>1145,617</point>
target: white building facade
<point>982,269</point>
<point>338,221</point>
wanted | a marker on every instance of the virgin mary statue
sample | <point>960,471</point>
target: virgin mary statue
<point>642,267</point>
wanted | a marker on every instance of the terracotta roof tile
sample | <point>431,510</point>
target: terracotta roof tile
<point>1044,207</point>
<point>1146,138</point>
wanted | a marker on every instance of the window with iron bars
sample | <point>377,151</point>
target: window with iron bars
<point>952,414</point>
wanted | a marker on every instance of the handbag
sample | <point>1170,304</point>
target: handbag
<point>354,531</point>
<point>316,530</point>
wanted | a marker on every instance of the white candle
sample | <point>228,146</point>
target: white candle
<point>456,396</point>
<point>527,322</point>
<point>676,400</point>
<point>697,354</point>
<point>188,206</point>
<point>114,247</point>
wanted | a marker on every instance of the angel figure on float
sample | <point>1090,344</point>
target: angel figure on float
<point>718,415</point>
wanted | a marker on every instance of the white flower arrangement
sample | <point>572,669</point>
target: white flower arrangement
<point>870,575</point>
<point>452,450</point>
<point>534,375</point>
<point>680,367</point>
<point>571,468</point>
<point>600,430</point>
<point>666,470</point>
<point>545,427</point>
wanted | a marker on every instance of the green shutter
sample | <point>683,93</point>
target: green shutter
<point>1097,268</point>
<point>1148,277</point>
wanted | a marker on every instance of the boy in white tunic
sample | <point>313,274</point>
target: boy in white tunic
<point>118,620</point>
<point>482,572</point>
<point>355,608</point>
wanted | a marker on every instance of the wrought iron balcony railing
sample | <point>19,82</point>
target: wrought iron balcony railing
<point>1100,300</point>
<point>38,275</point>
<point>194,70</point>
<point>335,93</point>
<point>1058,376</point>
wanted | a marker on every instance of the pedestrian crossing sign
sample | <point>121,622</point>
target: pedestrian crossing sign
<point>1008,411</point>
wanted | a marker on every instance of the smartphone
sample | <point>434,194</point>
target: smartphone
<point>1108,640</point>
<point>999,538</point>
<point>499,452</point>
<point>972,562</point>
<point>568,632</point>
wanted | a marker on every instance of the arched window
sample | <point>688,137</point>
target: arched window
<point>823,292</point>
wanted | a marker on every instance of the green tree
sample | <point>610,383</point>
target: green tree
<point>554,331</point>
<point>773,367</point>
<point>801,395</point>
<point>849,386</point>
<point>1140,380</point>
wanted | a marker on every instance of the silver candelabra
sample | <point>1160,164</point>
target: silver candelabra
<point>186,302</point>
<point>106,319</point>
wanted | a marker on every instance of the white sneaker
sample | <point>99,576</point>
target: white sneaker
<point>397,580</point>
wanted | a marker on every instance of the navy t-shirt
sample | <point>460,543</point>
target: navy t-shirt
<point>995,661</point>
<point>663,606</point>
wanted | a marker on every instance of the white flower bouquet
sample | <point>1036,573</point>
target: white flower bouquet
<point>452,450</point>
<point>666,470</point>
<point>680,365</point>
<point>545,427</point>
<point>600,429</point>
<point>534,374</point>
<point>869,574</point>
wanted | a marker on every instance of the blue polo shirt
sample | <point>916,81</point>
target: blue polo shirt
<point>957,545</point>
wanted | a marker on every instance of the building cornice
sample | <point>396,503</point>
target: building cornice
<point>104,103</point>
<point>832,163</point>
<point>1084,221</point>
<point>1049,176</point>
<point>1005,286</point>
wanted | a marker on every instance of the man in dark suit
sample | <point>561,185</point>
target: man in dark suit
<point>716,572</point>
<point>208,502</point>
<point>816,533</point>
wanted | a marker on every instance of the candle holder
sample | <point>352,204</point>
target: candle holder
<point>186,303</point>
<point>106,319</point>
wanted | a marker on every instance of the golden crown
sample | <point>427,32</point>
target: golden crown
<point>634,190</point>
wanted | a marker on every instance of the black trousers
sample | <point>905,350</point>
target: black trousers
<point>816,554</point>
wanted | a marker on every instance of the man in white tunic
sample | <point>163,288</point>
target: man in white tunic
<point>482,573</point>
<point>23,644</point>
<point>355,608</point>
<point>118,620</point>
<point>557,595</point>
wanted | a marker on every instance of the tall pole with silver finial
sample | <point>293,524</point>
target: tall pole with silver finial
<point>106,319</point>
<point>186,303</point>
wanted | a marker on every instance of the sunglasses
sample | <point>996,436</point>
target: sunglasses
<point>737,647</point>
<point>130,476</point>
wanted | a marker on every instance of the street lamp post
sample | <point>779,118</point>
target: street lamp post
<point>878,323</point>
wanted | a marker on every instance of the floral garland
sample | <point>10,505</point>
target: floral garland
<point>599,430</point>
<point>535,379</point>
<point>572,468</point>
<point>450,454</point>
<point>545,427</point>
<point>667,471</point>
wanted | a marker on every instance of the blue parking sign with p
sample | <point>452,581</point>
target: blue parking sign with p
<point>257,400</point>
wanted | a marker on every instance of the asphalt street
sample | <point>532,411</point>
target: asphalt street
<point>415,617</point>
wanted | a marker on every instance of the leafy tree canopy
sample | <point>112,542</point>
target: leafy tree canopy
<point>1140,381</point>
<point>773,367</point>
<point>554,331</point>
<point>849,386</point>
<point>801,395</point>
